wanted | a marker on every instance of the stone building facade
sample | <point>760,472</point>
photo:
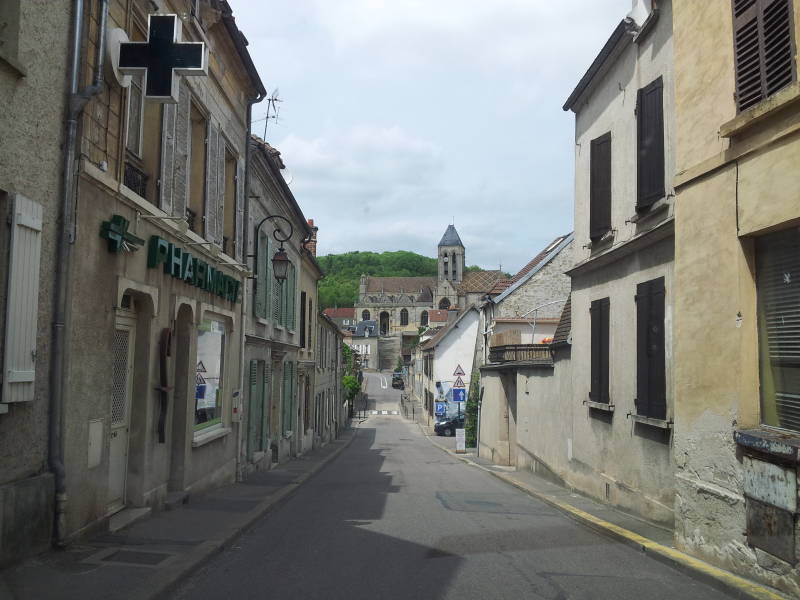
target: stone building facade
<point>404,304</point>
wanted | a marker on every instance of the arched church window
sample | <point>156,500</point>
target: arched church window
<point>444,304</point>
<point>423,318</point>
<point>404,317</point>
<point>365,315</point>
<point>384,323</point>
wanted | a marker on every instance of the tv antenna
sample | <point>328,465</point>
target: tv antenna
<point>273,110</point>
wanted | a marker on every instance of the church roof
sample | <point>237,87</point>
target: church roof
<point>450,237</point>
<point>409,285</point>
<point>437,316</point>
<point>479,281</point>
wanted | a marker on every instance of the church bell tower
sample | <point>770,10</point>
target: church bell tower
<point>451,257</point>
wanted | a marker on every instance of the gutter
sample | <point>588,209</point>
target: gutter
<point>76,101</point>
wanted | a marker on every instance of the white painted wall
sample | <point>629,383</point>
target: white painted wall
<point>456,348</point>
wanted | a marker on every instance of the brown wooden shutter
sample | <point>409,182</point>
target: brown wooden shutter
<point>762,32</point>
<point>651,390</point>
<point>650,144</point>
<point>600,186</point>
<point>600,348</point>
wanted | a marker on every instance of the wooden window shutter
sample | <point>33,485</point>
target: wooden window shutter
<point>166,174</point>
<point>763,49</point>
<point>650,144</point>
<point>22,302</point>
<point>599,315</point>
<point>600,186</point>
<point>651,400</point>
<point>254,397</point>
<point>212,166</point>
<point>180,157</point>
<point>220,183</point>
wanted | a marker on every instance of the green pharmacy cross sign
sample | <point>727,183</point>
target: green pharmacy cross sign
<point>180,264</point>
<point>116,232</point>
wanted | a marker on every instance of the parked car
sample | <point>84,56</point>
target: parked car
<point>397,381</point>
<point>448,426</point>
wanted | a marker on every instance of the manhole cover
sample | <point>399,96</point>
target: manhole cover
<point>136,558</point>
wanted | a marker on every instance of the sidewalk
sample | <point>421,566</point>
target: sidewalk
<point>149,557</point>
<point>605,519</point>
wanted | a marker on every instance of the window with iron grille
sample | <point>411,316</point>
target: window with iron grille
<point>651,387</point>
<point>599,313</point>
<point>778,292</point>
<point>600,186</point>
<point>650,145</point>
<point>763,49</point>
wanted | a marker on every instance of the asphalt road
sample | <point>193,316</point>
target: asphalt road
<point>394,517</point>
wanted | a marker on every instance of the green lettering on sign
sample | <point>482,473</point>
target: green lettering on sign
<point>182,265</point>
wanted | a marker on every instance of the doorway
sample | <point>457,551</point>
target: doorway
<point>122,351</point>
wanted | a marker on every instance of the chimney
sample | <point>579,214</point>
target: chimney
<point>312,243</point>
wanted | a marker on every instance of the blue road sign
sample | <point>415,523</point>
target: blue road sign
<point>459,394</point>
<point>440,408</point>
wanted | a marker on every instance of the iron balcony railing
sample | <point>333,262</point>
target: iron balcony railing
<point>530,353</point>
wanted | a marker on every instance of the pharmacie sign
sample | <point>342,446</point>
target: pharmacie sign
<point>182,265</point>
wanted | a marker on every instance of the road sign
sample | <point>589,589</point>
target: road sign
<point>459,383</point>
<point>440,409</point>
<point>459,394</point>
<point>459,372</point>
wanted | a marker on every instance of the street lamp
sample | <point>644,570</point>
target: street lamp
<point>280,262</point>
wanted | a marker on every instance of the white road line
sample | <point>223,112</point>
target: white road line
<point>384,385</point>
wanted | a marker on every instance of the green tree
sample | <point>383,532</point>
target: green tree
<point>351,386</point>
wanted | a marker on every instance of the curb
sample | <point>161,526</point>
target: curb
<point>736,586</point>
<point>165,582</point>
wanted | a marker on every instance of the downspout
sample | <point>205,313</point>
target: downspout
<point>65,238</point>
<point>245,240</point>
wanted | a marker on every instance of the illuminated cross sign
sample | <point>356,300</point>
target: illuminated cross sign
<point>162,58</point>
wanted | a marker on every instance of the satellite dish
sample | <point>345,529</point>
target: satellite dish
<point>569,338</point>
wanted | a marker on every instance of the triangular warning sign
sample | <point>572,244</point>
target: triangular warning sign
<point>459,383</point>
<point>201,368</point>
<point>459,372</point>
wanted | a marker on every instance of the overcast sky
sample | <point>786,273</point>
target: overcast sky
<point>399,116</point>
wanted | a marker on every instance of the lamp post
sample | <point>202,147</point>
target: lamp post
<point>280,261</point>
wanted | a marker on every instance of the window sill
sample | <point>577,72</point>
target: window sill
<point>604,240</point>
<point>761,111</point>
<point>201,438</point>
<point>657,208</point>
<point>600,406</point>
<point>778,445</point>
<point>659,423</point>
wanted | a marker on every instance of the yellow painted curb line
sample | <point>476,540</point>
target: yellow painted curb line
<point>750,588</point>
<point>745,586</point>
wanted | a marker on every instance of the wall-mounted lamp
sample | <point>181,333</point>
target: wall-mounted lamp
<point>280,262</point>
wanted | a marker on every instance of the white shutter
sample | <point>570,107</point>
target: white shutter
<point>22,304</point>
<point>221,189</point>
<point>212,198</point>
<point>167,157</point>
<point>240,190</point>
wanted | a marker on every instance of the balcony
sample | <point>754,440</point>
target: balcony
<point>534,354</point>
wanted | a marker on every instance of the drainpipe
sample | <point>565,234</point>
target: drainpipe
<point>243,319</point>
<point>65,238</point>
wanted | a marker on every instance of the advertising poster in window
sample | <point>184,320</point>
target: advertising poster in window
<point>209,371</point>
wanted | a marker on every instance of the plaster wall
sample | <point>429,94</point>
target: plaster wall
<point>32,93</point>
<point>610,107</point>
<point>493,438</point>
<point>730,190</point>
<point>456,348</point>
<point>634,459</point>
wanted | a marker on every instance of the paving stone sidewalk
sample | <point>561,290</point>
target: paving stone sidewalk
<point>146,559</point>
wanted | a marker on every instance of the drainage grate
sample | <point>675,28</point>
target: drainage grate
<point>136,558</point>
